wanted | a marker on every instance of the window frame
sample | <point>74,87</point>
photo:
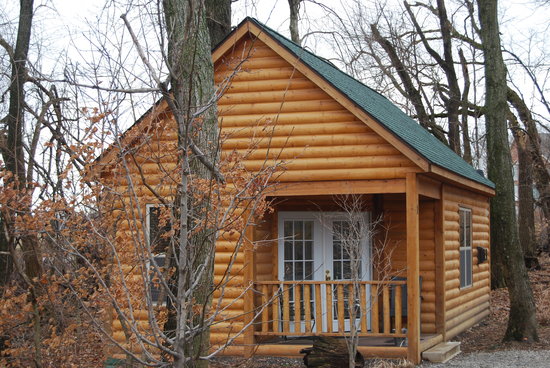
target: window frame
<point>148,208</point>
<point>465,239</point>
<point>154,253</point>
<point>152,288</point>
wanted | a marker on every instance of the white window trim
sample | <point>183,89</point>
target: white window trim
<point>463,248</point>
<point>150,272</point>
<point>148,206</point>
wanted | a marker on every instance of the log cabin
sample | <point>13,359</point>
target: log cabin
<point>335,137</point>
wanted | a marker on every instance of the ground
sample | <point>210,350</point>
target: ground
<point>488,334</point>
<point>484,337</point>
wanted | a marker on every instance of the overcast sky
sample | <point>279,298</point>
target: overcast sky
<point>64,26</point>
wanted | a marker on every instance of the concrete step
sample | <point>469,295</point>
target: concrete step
<point>442,352</point>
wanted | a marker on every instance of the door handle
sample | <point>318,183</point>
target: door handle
<point>327,275</point>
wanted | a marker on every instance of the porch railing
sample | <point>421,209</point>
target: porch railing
<point>313,308</point>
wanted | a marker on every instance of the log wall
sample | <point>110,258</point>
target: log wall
<point>394,222</point>
<point>464,307</point>
<point>272,114</point>
<point>291,120</point>
<point>129,186</point>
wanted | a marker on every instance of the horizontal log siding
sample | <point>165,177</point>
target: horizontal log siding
<point>153,167</point>
<point>460,304</point>
<point>291,120</point>
<point>427,265</point>
<point>395,223</point>
<point>124,202</point>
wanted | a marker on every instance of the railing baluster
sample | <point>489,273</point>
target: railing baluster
<point>265,310</point>
<point>286,308</point>
<point>386,304</point>
<point>318,309</point>
<point>364,310</point>
<point>375,326</point>
<point>329,307</point>
<point>276,301</point>
<point>341,306</point>
<point>297,308</point>
<point>398,308</point>
<point>291,308</point>
<point>307,307</point>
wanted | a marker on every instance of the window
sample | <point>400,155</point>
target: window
<point>465,229</point>
<point>158,228</point>
<point>155,285</point>
<point>158,236</point>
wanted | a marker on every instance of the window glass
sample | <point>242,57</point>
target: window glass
<point>465,230</point>
<point>298,249</point>
<point>156,286</point>
<point>159,228</point>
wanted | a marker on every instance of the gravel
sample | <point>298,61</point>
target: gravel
<point>498,359</point>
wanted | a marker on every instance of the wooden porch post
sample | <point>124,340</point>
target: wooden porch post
<point>440,297</point>
<point>248,281</point>
<point>413,266</point>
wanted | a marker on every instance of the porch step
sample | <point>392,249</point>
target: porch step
<point>442,352</point>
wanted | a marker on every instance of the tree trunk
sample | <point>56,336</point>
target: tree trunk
<point>526,202</point>
<point>218,20</point>
<point>193,107</point>
<point>540,174</point>
<point>450,94</point>
<point>6,260</point>
<point>453,101</point>
<point>467,156</point>
<point>505,247</point>
<point>13,151</point>
<point>294,6</point>
<point>412,93</point>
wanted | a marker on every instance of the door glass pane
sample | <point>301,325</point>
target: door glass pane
<point>298,230</point>
<point>347,270</point>
<point>298,259</point>
<point>298,271</point>
<point>298,249</point>
<point>308,271</point>
<point>337,271</point>
<point>344,237</point>
<point>289,270</point>
<point>345,241</point>
<point>337,249</point>
<point>308,230</point>
<point>308,245</point>
<point>288,227</point>
<point>288,250</point>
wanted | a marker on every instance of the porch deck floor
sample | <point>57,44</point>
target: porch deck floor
<point>363,341</point>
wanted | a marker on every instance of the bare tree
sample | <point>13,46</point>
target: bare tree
<point>13,142</point>
<point>522,323</point>
<point>294,6</point>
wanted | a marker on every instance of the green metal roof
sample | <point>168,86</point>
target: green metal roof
<point>382,110</point>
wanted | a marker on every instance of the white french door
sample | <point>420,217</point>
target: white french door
<point>321,246</point>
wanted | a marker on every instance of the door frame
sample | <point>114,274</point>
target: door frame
<point>323,251</point>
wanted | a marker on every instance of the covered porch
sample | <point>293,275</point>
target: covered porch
<point>383,312</point>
